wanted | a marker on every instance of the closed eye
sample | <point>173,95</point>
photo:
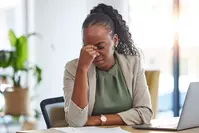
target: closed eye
<point>100,47</point>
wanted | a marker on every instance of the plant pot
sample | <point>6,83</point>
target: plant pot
<point>29,125</point>
<point>16,101</point>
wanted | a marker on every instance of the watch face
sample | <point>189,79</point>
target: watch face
<point>103,118</point>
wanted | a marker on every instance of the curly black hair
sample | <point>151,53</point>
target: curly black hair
<point>106,15</point>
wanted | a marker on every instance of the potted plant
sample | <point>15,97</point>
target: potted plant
<point>17,97</point>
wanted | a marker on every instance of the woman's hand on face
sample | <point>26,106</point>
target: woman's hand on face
<point>87,55</point>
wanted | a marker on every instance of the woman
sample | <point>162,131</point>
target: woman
<point>106,85</point>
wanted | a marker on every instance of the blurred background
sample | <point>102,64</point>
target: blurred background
<point>166,31</point>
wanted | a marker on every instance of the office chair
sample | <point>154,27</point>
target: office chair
<point>53,112</point>
<point>152,77</point>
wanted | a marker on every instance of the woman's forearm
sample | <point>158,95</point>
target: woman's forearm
<point>79,96</point>
<point>112,119</point>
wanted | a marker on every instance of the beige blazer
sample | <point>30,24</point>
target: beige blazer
<point>133,72</point>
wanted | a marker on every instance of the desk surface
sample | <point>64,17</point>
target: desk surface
<point>127,128</point>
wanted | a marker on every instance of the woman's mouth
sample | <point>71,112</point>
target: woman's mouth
<point>98,61</point>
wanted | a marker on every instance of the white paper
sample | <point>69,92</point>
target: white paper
<point>91,130</point>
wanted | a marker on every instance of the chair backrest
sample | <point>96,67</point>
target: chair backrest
<point>152,77</point>
<point>53,112</point>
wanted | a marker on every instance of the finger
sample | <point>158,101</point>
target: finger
<point>94,47</point>
<point>90,46</point>
<point>94,53</point>
<point>89,49</point>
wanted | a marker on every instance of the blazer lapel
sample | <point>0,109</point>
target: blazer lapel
<point>126,70</point>
<point>91,88</point>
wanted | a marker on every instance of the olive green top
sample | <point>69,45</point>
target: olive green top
<point>112,94</point>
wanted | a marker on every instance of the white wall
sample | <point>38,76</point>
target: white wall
<point>11,17</point>
<point>59,23</point>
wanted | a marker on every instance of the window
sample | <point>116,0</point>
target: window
<point>189,44</point>
<point>184,66</point>
<point>153,30</point>
<point>151,27</point>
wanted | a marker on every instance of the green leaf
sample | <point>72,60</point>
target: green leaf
<point>5,58</point>
<point>15,118</point>
<point>37,73</point>
<point>37,114</point>
<point>12,38</point>
<point>22,52</point>
<point>12,58</point>
<point>24,48</point>
<point>4,76</point>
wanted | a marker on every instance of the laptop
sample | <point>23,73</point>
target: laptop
<point>189,117</point>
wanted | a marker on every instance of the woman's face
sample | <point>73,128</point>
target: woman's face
<point>102,38</point>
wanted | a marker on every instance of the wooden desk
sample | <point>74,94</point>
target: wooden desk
<point>127,128</point>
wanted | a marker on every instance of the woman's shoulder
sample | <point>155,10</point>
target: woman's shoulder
<point>132,59</point>
<point>134,62</point>
<point>72,64</point>
<point>138,58</point>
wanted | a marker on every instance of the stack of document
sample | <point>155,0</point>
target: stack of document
<point>91,130</point>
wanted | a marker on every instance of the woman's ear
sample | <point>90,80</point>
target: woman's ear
<point>115,40</point>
